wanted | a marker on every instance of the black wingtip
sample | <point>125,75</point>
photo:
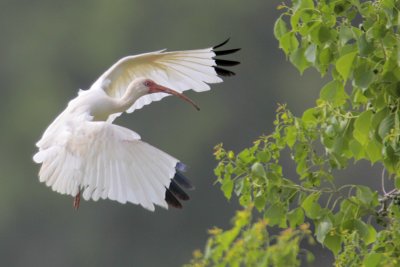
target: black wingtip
<point>226,52</point>
<point>177,191</point>
<point>223,72</point>
<point>226,63</point>
<point>223,62</point>
<point>182,181</point>
<point>172,200</point>
<point>221,44</point>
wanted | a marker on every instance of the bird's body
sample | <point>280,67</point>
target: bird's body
<point>83,151</point>
<point>96,103</point>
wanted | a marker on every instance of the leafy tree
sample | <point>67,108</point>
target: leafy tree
<point>357,117</point>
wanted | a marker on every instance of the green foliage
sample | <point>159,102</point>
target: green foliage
<point>356,117</point>
<point>253,246</point>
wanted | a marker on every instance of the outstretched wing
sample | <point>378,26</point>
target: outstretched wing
<point>103,160</point>
<point>180,70</point>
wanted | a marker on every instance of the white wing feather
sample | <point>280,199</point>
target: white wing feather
<point>104,160</point>
<point>180,71</point>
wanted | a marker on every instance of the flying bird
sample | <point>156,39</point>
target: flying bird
<point>83,153</point>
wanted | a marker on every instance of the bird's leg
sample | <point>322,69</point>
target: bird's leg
<point>77,200</point>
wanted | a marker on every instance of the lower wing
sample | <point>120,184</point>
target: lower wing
<point>103,160</point>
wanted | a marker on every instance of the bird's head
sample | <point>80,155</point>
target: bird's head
<point>153,87</point>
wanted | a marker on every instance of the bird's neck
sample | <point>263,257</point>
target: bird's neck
<point>129,98</point>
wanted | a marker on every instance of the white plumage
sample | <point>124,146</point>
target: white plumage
<point>181,71</point>
<point>83,152</point>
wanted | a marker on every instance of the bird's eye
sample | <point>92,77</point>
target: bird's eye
<point>147,83</point>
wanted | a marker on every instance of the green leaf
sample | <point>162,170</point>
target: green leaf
<point>280,28</point>
<point>291,135</point>
<point>363,75</point>
<point>259,202</point>
<point>227,237</point>
<point>345,34</point>
<point>378,118</point>
<point>359,97</point>
<point>276,214</point>
<point>263,156</point>
<point>324,34</point>
<point>301,4</point>
<point>295,19</point>
<point>288,42</point>
<point>371,235</point>
<point>296,217</point>
<point>344,65</point>
<point>330,131</point>
<point>366,231</point>
<point>364,46</point>
<point>385,126</point>
<point>372,260</point>
<point>366,196</point>
<point>334,93</point>
<point>334,243</point>
<point>310,53</point>
<point>246,156</point>
<point>362,127</point>
<point>310,116</point>
<point>323,228</point>
<point>257,169</point>
<point>390,159</point>
<point>299,60</point>
<point>227,187</point>
<point>245,200</point>
<point>302,11</point>
<point>357,149</point>
<point>311,207</point>
<point>374,150</point>
<point>325,56</point>
<point>239,186</point>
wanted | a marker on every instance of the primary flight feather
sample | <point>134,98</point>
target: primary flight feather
<point>83,153</point>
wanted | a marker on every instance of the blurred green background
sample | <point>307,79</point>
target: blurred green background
<point>50,49</point>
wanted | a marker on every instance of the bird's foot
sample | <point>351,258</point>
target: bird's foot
<point>77,200</point>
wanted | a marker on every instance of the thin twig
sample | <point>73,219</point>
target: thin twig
<point>383,181</point>
<point>329,201</point>
<point>334,203</point>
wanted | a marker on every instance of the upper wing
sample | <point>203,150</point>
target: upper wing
<point>180,70</point>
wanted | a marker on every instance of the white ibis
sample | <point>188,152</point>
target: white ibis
<point>82,151</point>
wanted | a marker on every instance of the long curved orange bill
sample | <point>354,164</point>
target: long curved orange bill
<point>163,89</point>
